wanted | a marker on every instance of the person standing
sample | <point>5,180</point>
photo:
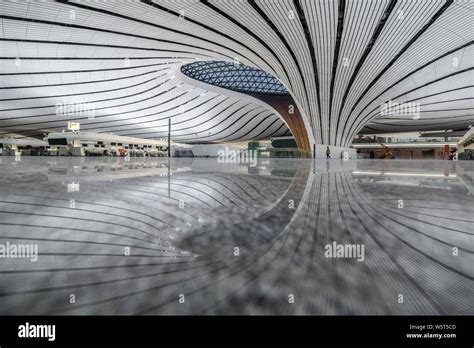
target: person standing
<point>328,153</point>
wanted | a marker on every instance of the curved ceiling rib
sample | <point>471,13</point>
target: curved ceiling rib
<point>341,61</point>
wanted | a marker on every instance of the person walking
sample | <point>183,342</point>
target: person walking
<point>328,153</point>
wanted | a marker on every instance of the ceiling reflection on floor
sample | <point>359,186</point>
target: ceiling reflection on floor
<point>193,236</point>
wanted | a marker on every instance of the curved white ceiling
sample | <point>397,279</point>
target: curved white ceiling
<point>340,60</point>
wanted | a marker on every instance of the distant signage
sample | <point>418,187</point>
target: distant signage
<point>73,187</point>
<point>74,126</point>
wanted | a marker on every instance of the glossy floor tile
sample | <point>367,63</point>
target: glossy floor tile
<point>192,236</point>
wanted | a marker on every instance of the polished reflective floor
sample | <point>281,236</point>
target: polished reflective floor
<point>193,236</point>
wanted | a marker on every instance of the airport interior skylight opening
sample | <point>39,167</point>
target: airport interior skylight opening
<point>235,76</point>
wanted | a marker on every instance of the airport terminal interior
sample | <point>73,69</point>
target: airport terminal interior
<point>248,157</point>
